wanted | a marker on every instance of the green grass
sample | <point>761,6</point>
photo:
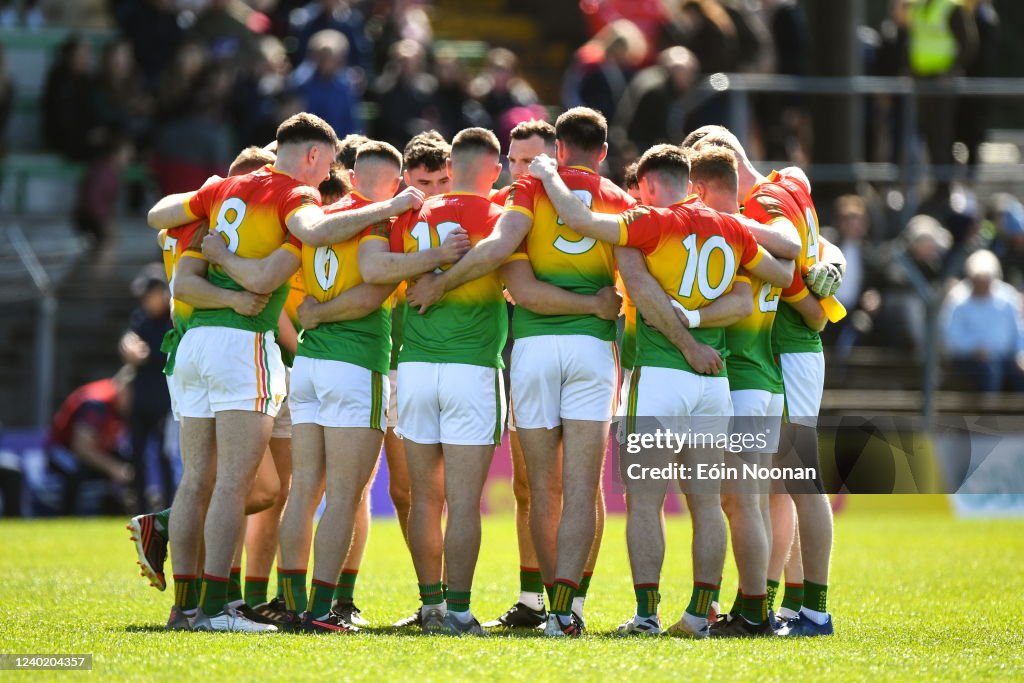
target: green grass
<point>914,596</point>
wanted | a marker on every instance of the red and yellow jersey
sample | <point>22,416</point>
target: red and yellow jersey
<point>694,253</point>
<point>627,347</point>
<point>561,256</point>
<point>331,270</point>
<point>751,361</point>
<point>500,196</point>
<point>469,324</point>
<point>786,196</point>
<point>251,213</point>
<point>173,244</point>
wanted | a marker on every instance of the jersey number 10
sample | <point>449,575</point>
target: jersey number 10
<point>698,268</point>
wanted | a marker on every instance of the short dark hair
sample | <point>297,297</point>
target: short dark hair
<point>695,136</point>
<point>347,148</point>
<point>476,140</point>
<point>336,186</point>
<point>376,149</point>
<point>582,128</point>
<point>306,127</point>
<point>712,163</point>
<point>428,149</point>
<point>629,178</point>
<point>667,160</point>
<point>250,159</point>
<point>527,129</point>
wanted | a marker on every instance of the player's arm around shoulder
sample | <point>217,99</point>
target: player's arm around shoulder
<point>190,285</point>
<point>779,237</point>
<point>381,263</point>
<point>352,304</point>
<point>316,229</point>
<point>171,211</point>
<point>731,307</point>
<point>260,276</point>
<point>571,209</point>
<point>547,299</point>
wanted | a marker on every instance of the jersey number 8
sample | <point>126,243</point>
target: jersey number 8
<point>229,220</point>
<point>698,267</point>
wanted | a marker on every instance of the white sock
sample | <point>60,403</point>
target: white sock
<point>716,608</point>
<point>532,600</point>
<point>464,617</point>
<point>694,621</point>
<point>818,618</point>
<point>786,613</point>
<point>191,612</point>
<point>443,606</point>
<point>577,607</point>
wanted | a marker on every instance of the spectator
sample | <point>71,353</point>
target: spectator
<point>177,87</point>
<point>854,228</point>
<point>983,332</point>
<point>84,444</point>
<point>224,29</point>
<point>155,34</point>
<point>650,16</point>
<point>393,22</point>
<point>653,109</point>
<point>6,101</point>
<point>121,105</point>
<point>338,15</point>
<point>456,110</point>
<point>499,88</point>
<point>151,404</point>
<point>1006,218</point>
<point>406,94</point>
<point>602,67</point>
<point>705,27</point>
<point>781,116</point>
<point>69,122</point>
<point>324,83</point>
<point>257,92</point>
<point>973,113</point>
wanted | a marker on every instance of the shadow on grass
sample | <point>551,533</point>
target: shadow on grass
<point>495,634</point>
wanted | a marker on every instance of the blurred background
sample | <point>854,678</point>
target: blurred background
<point>907,114</point>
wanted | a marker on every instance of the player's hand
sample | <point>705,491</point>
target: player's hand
<point>425,293</point>
<point>455,245</point>
<point>249,304</point>
<point>212,179</point>
<point>308,312</point>
<point>214,248</point>
<point>543,166</point>
<point>134,351</point>
<point>409,199</point>
<point>704,359</point>
<point>823,279</point>
<point>608,303</point>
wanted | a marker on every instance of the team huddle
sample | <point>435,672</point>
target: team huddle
<point>320,314</point>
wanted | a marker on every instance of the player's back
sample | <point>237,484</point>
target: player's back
<point>561,256</point>
<point>468,324</point>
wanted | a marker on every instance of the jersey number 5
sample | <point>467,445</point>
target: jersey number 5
<point>697,268</point>
<point>583,244</point>
<point>229,220</point>
<point>424,239</point>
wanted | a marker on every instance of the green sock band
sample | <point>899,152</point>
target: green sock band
<point>815,596</point>
<point>321,594</point>
<point>647,599</point>
<point>346,585</point>
<point>549,588</point>
<point>561,597</point>
<point>293,585</point>
<point>700,599</point>
<point>773,591</point>
<point>256,588</point>
<point>581,592</point>
<point>280,583</point>
<point>431,593</point>
<point>235,584</point>
<point>530,580</point>
<point>718,591</point>
<point>458,601</point>
<point>163,521</point>
<point>213,594</point>
<point>793,597</point>
<point>186,591</point>
<point>737,604</point>
<point>755,608</point>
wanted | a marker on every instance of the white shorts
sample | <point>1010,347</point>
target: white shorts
<point>803,377</point>
<point>759,404</point>
<point>283,421</point>
<point>563,377</point>
<point>452,403</point>
<point>668,392</point>
<point>333,393</point>
<point>624,386</point>
<point>221,368</point>
<point>172,391</point>
<point>393,399</point>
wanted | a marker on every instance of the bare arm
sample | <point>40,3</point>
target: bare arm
<point>85,447</point>
<point>547,299</point>
<point>352,304</point>
<point>316,229</point>
<point>170,212</point>
<point>191,286</point>
<point>770,269</point>
<point>378,265</point>
<point>487,255</point>
<point>809,308</point>
<point>573,212</point>
<point>780,238</point>
<point>287,337</point>
<point>729,308</point>
<point>261,276</point>
<point>657,309</point>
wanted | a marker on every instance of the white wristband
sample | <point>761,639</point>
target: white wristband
<point>692,317</point>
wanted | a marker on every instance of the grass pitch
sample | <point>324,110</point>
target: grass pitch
<point>915,596</point>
